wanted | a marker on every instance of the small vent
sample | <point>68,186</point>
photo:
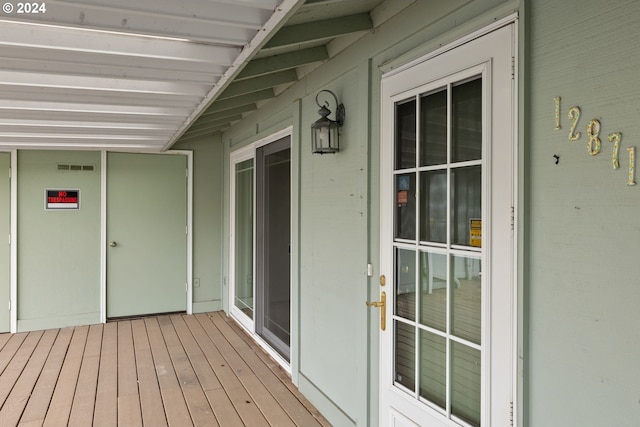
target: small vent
<point>65,167</point>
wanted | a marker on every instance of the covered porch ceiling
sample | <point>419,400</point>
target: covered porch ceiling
<point>137,75</point>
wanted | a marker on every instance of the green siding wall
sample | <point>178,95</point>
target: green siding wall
<point>338,203</point>
<point>208,211</point>
<point>584,229</point>
<point>58,251</point>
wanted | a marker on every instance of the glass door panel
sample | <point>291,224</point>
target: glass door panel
<point>273,263</point>
<point>406,134</point>
<point>433,128</point>
<point>466,117</point>
<point>437,318</point>
<point>243,245</point>
<point>433,199</point>
<point>433,290</point>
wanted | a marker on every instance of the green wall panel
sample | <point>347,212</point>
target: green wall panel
<point>583,292</point>
<point>58,251</point>
<point>208,211</point>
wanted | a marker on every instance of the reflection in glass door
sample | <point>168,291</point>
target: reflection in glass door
<point>243,239</point>
<point>437,246</point>
<point>273,264</point>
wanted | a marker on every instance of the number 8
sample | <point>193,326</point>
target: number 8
<point>593,132</point>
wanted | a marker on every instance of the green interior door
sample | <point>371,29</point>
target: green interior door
<point>146,234</point>
<point>5,255</point>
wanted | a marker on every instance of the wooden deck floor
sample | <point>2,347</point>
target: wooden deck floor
<point>177,370</point>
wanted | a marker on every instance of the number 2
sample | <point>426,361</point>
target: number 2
<point>574,114</point>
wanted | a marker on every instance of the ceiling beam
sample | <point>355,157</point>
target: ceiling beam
<point>213,126</point>
<point>250,98</point>
<point>319,30</point>
<point>225,114</point>
<point>259,83</point>
<point>283,61</point>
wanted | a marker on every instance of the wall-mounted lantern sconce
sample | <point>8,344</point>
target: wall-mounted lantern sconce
<point>325,133</point>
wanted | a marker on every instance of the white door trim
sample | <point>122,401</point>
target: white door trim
<point>14,243</point>
<point>103,231</point>
<point>386,214</point>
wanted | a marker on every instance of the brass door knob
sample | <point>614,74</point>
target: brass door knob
<point>382,304</point>
<point>113,244</point>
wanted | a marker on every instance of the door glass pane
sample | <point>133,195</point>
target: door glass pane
<point>433,368</point>
<point>405,191</point>
<point>465,383</point>
<point>433,206</point>
<point>406,284</point>
<point>405,350</point>
<point>406,135</point>
<point>244,237</point>
<point>466,201</point>
<point>433,128</point>
<point>276,232</point>
<point>433,290</point>
<point>437,228</point>
<point>466,116</point>
<point>466,298</point>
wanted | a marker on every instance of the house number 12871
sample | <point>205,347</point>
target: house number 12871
<point>594,143</point>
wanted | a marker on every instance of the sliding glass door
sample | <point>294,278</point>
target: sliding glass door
<point>273,266</point>
<point>260,291</point>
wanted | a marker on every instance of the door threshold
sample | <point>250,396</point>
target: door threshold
<point>143,316</point>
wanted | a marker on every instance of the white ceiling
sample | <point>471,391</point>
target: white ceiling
<point>138,75</point>
<point>123,74</point>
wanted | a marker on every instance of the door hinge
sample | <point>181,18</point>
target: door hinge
<point>513,67</point>
<point>511,412</point>
<point>513,217</point>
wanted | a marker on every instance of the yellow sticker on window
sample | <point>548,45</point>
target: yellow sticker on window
<point>475,232</point>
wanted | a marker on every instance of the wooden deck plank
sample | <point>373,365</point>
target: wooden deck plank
<point>58,413</point>
<point>239,397</point>
<point>223,403</point>
<point>150,398</point>
<point>14,405</point>
<point>289,402</point>
<point>106,405</point>
<point>17,364</point>
<point>276,379</point>
<point>38,404</point>
<point>199,408</point>
<point>85,397</point>
<point>267,403</point>
<point>175,405</point>
<point>4,339</point>
<point>10,350</point>
<point>169,371</point>
<point>203,370</point>
<point>129,411</point>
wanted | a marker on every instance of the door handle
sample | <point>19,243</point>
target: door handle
<point>382,305</point>
<point>113,244</point>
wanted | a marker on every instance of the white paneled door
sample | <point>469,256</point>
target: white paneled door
<point>447,237</point>
<point>146,234</point>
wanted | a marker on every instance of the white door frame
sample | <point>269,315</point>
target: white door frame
<point>387,221</point>
<point>240,155</point>
<point>244,153</point>
<point>103,229</point>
